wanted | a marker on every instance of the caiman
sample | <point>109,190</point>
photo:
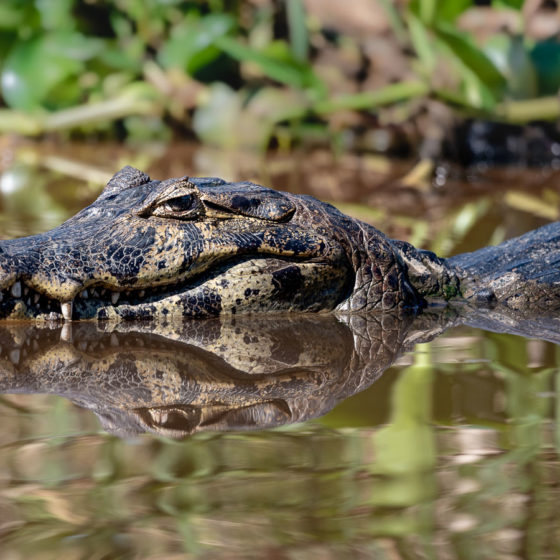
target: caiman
<point>197,247</point>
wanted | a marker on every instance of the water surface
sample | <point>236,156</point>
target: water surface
<point>287,438</point>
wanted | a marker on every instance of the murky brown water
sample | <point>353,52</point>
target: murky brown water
<point>373,438</point>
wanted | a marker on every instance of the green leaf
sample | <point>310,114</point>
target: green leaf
<point>73,45</point>
<point>546,60</point>
<point>471,57</point>
<point>15,14</point>
<point>129,58</point>
<point>420,38</point>
<point>298,29</point>
<point>427,10</point>
<point>516,63</point>
<point>436,11</point>
<point>512,4</point>
<point>449,11</point>
<point>56,15</point>
<point>7,41</point>
<point>392,93</point>
<point>521,76</point>
<point>522,112</point>
<point>34,67</point>
<point>477,92</point>
<point>216,120</point>
<point>192,42</point>
<point>474,94</point>
<point>276,66</point>
<point>497,49</point>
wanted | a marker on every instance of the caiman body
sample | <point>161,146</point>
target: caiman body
<point>203,247</point>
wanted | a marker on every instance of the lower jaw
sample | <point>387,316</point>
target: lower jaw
<point>171,308</point>
<point>251,286</point>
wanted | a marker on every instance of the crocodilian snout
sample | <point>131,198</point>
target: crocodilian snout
<point>34,284</point>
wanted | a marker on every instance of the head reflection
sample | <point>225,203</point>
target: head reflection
<point>221,374</point>
<point>233,373</point>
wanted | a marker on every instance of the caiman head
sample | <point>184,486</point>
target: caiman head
<point>197,247</point>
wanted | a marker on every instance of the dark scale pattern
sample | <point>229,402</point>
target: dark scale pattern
<point>196,247</point>
<point>287,282</point>
<point>203,304</point>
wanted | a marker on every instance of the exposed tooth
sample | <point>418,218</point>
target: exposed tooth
<point>67,310</point>
<point>141,293</point>
<point>36,298</point>
<point>84,294</point>
<point>16,290</point>
<point>82,345</point>
<point>25,290</point>
<point>103,292</point>
<point>66,333</point>
<point>14,356</point>
<point>159,416</point>
<point>28,302</point>
<point>114,340</point>
<point>94,293</point>
<point>115,297</point>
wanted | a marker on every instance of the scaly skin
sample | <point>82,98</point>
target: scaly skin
<point>201,247</point>
<point>195,248</point>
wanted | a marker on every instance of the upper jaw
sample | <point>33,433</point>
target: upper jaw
<point>59,298</point>
<point>54,288</point>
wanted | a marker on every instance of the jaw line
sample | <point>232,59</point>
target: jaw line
<point>241,285</point>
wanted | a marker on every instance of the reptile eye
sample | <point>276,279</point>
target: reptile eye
<point>181,203</point>
<point>183,207</point>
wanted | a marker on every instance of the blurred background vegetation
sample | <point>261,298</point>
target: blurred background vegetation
<point>436,121</point>
<point>326,88</point>
<point>379,74</point>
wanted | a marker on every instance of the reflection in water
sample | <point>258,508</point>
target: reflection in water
<point>470,487</point>
<point>227,373</point>
<point>481,487</point>
<point>222,374</point>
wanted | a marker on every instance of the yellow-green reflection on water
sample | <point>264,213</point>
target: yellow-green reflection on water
<point>451,453</point>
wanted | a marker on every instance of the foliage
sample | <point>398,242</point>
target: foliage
<point>146,64</point>
<point>504,66</point>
